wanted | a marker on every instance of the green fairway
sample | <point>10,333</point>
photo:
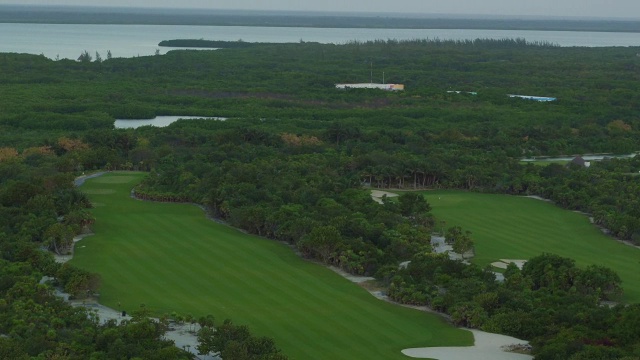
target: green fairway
<point>511,227</point>
<point>171,258</point>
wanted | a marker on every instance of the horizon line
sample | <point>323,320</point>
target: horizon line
<point>371,14</point>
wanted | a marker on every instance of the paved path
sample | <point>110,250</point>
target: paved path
<point>81,179</point>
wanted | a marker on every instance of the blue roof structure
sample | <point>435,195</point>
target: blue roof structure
<point>535,98</point>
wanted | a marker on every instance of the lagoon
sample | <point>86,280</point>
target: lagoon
<point>158,121</point>
<point>70,40</point>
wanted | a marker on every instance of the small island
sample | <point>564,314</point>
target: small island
<point>208,44</point>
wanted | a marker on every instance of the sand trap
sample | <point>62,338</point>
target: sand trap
<point>487,346</point>
<point>503,263</point>
<point>499,265</point>
<point>377,195</point>
<point>519,263</point>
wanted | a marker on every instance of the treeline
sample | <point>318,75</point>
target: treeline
<point>479,42</point>
<point>607,191</point>
<point>485,43</point>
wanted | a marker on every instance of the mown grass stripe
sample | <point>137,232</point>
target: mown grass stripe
<point>171,258</point>
<point>510,227</point>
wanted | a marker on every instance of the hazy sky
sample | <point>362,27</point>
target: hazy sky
<point>588,8</point>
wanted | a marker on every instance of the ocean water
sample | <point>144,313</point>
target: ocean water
<point>70,40</point>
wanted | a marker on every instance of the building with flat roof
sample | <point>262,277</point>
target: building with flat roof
<point>535,98</point>
<point>387,87</point>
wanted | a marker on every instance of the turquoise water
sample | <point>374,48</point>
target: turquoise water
<point>70,40</point>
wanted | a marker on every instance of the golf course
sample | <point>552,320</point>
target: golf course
<point>511,227</point>
<point>170,257</point>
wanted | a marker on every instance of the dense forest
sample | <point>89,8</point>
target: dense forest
<point>294,157</point>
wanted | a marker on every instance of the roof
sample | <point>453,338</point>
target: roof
<point>536,98</point>
<point>389,87</point>
<point>580,161</point>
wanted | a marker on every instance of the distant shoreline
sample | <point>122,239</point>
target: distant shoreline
<point>140,16</point>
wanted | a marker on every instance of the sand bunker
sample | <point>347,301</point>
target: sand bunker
<point>487,346</point>
<point>503,263</point>
<point>377,195</point>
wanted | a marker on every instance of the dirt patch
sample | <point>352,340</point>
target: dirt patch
<point>377,195</point>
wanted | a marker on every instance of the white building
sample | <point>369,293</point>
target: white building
<point>535,98</point>
<point>388,87</point>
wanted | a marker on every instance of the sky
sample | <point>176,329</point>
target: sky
<point>562,8</point>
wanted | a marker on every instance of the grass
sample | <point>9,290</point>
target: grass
<point>510,227</point>
<point>171,258</point>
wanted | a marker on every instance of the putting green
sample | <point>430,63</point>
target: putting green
<point>171,258</point>
<point>512,227</point>
<point>100,191</point>
<point>114,179</point>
